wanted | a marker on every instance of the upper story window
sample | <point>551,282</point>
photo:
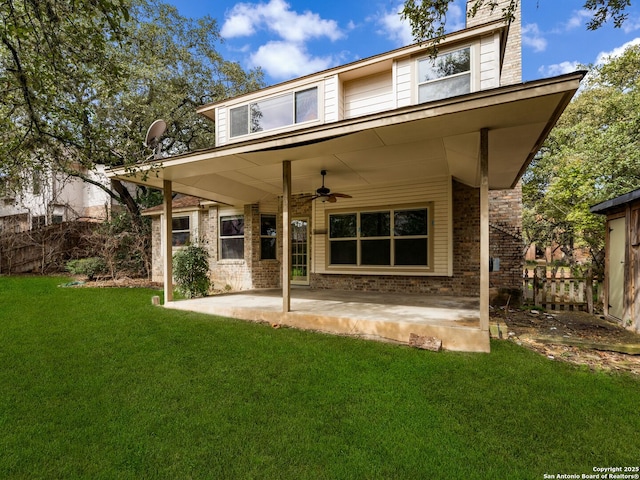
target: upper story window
<point>275,112</point>
<point>447,75</point>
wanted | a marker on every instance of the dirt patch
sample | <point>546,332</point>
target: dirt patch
<point>575,337</point>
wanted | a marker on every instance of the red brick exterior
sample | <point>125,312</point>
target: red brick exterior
<point>505,244</point>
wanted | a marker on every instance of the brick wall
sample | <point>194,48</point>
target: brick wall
<point>505,238</point>
<point>466,257</point>
<point>252,272</point>
<point>505,212</point>
<point>157,266</point>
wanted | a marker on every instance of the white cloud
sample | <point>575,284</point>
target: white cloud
<point>532,37</point>
<point>559,68</point>
<point>246,19</point>
<point>284,60</point>
<point>604,57</point>
<point>394,28</point>
<point>578,19</point>
<point>631,24</point>
<point>399,31</point>
<point>237,25</point>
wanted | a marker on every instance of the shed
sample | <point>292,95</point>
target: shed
<point>622,258</point>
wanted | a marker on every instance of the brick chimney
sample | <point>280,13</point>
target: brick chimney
<point>512,64</point>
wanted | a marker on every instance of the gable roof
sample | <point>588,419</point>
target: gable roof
<point>179,203</point>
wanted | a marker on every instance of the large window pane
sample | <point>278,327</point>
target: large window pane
<point>446,76</point>
<point>268,226</point>
<point>232,248</point>
<point>410,222</point>
<point>375,224</point>
<point>344,252</point>
<point>444,65</point>
<point>268,237</point>
<point>239,121</point>
<point>375,252</point>
<point>180,223</point>
<point>268,248</point>
<point>411,251</point>
<point>231,226</point>
<point>343,226</point>
<point>179,239</point>
<point>307,105</point>
<point>272,113</point>
<point>445,88</point>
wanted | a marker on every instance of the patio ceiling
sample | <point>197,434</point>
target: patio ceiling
<point>407,144</point>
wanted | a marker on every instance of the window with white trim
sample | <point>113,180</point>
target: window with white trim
<point>275,112</point>
<point>180,231</point>
<point>447,75</point>
<point>232,237</point>
<point>396,237</point>
<point>268,233</point>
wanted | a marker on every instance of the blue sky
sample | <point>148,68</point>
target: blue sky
<point>292,38</point>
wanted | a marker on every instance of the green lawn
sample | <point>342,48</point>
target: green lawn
<point>100,384</point>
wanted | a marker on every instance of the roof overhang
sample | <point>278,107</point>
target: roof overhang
<point>402,145</point>
<point>615,203</point>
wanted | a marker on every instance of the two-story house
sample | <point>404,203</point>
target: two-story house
<point>371,176</point>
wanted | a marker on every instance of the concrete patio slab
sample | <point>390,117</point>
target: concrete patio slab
<point>381,316</point>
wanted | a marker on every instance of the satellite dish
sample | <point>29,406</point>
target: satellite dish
<point>155,132</point>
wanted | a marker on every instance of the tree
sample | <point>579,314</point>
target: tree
<point>592,154</point>
<point>82,83</point>
<point>428,17</point>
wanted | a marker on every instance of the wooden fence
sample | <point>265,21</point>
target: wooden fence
<point>559,289</point>
<point>43,250</point>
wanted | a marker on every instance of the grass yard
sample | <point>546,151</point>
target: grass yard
<point>99,384</point>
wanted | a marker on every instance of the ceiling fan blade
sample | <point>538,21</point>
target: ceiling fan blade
<point>341,195</point>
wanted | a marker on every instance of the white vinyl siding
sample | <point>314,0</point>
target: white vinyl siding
<point>370,94</point>
<point>332,104</point>
<point>221,126</point>
<point>436,192</point>
<point>404,84</point>
<point>490,62</point>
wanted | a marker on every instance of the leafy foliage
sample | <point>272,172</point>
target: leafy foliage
<point>191,271</point>
<point>592,155</point>
<point>71,107</point>
<point>87,266</point>
<point>428,17</point>
<point>124,244</point>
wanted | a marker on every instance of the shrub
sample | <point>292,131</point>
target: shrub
<point>87,266</point>
<point>191,271</point>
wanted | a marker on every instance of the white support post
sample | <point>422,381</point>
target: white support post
<point>484,229</point>
<point>168,248</point>
<point>286,236</point>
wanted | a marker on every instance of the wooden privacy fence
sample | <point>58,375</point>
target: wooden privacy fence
<point>560,289</point>
<point>44,250</point>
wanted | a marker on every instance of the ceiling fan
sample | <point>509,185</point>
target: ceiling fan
<point>324,193</point>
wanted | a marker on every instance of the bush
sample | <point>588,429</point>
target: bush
<point>191,271</point>
<point>87,266</point>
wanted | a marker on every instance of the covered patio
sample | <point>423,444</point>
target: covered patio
<point>483,140</point>
<point>373,315</point>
